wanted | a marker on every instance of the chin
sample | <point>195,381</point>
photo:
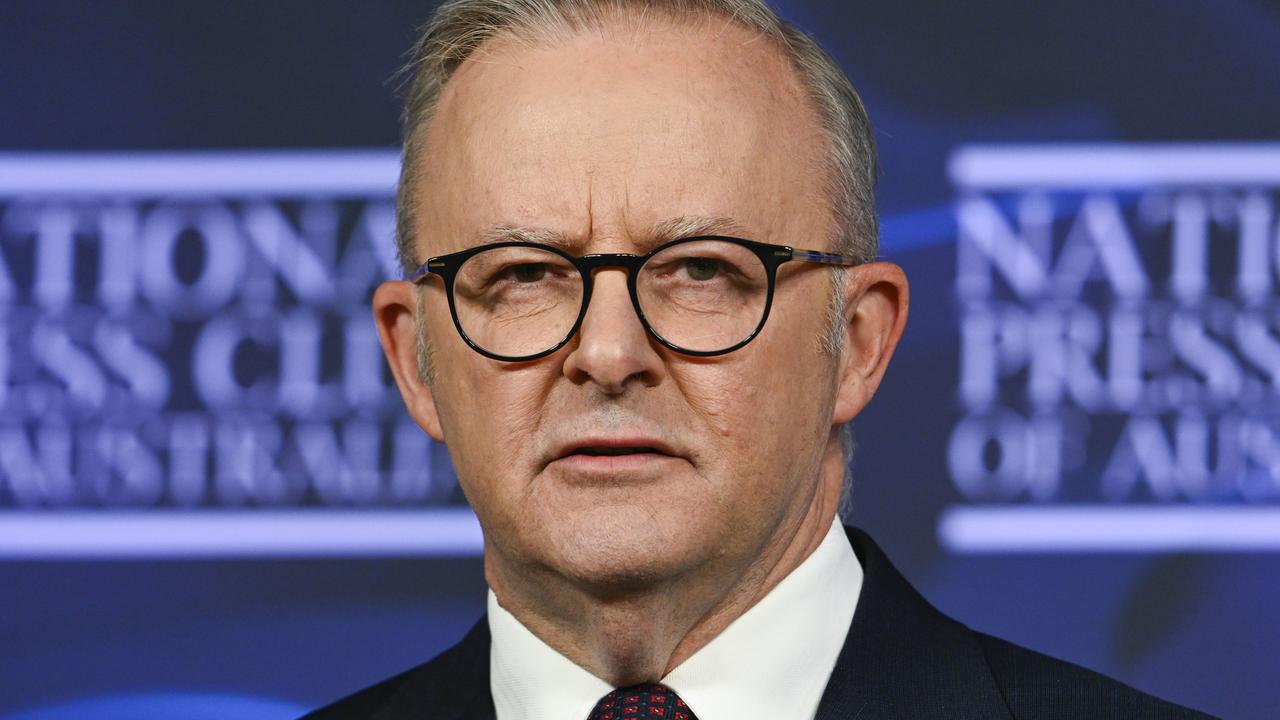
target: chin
<point>616,550</point>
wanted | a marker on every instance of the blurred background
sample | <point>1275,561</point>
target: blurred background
<point>212,505</point>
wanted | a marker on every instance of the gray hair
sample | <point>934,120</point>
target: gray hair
<point>459,27</point>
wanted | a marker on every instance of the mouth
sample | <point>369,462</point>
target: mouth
<point>604,451</point>
<point>613,455</point>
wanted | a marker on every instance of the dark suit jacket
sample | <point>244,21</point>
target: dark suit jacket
<point>901,659</point>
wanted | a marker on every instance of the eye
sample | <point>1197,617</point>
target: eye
<point>702,268</point>
<point>528,272</point>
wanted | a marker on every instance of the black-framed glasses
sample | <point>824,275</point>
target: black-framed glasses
<point>701,296</point>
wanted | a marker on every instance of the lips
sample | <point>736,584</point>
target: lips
<point>613,447</point>
<point>606,451</point>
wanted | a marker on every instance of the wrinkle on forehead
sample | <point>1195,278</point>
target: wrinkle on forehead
<point>663,231</point>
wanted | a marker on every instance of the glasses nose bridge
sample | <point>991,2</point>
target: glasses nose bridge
<point>628,262</point>
<point>600,261</point>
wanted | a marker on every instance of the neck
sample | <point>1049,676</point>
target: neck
<point>640,635</point>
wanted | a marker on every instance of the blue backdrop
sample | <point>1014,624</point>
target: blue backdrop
<point>211,504</point>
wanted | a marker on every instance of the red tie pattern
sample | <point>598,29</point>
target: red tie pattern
<point>647,702</point>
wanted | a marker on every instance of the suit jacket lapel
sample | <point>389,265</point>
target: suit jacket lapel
<point>903,658</point>
<point>454,686</point>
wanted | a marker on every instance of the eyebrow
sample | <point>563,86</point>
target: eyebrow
<point>685,226</point>
<point>506,233</point>
<point>664,231</point>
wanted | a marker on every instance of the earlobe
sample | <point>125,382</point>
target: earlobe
<point>876,302</point>
<point>393,313</point>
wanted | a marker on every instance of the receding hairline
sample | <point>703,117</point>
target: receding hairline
<point>605,18</point>
<point>552,21</point>
<point>617,23</point>
<point>612,26</point>
<point>633,20</point>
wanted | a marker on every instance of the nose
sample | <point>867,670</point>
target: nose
<point>612,348</point>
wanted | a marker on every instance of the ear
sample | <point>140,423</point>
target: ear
<point>393,313</point>
<point>876,300</point>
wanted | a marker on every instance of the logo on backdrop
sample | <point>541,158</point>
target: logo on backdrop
<point>193,331</point>
<point>1119,338</point>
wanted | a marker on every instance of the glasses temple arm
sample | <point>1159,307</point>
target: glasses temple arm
<point>422,271</point>
<point>818,256</point>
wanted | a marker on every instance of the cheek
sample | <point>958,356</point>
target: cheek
<point>760,451</point>
<point>493,449</point>
<point>738,414</point>
<point>716,396</point>
<point>769,407</point>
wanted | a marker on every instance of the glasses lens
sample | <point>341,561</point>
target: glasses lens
<point>517,301</point>
<point>703,295</point>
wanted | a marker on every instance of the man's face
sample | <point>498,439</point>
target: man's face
<point>613,140</point>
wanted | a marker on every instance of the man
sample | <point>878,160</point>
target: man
<point>643,381</point>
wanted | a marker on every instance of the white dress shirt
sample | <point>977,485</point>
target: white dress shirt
<point>772,662</point>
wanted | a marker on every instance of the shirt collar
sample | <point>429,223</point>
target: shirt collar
<point>530,680</point>
<point>772,661</point>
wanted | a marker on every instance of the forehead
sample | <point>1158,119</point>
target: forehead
<point>609,132</point>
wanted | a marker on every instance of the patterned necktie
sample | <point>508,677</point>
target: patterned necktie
<point>645,702</point>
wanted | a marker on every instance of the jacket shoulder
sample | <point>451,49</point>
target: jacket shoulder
<point>366,702</point>
<point>445,687</point>
<point>1038,686</point>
